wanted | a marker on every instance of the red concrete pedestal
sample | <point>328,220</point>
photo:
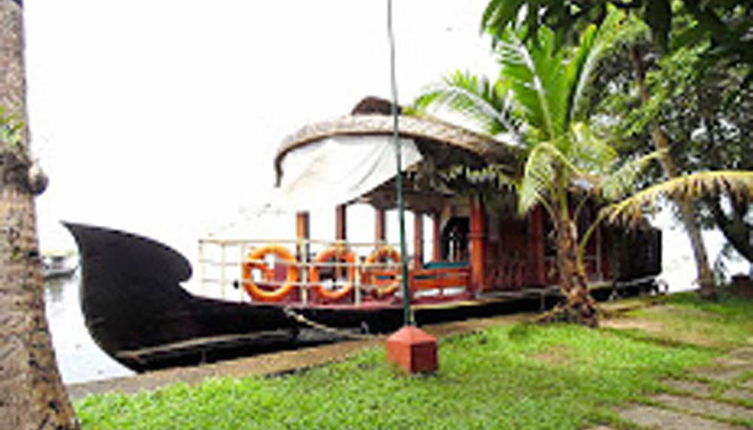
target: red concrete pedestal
<point>414,350</point>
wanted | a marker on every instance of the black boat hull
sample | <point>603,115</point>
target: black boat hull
<point>132,300</point>
<point>137,312</point>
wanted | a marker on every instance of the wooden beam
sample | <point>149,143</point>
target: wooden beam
<point>380,228</point>
<point>302,233</point>
<point>341,223</point>
<point>302,225</point>
<point>341,231</point>
<point>478,244</point>
<point>436,253</point>
<point>418,240</point>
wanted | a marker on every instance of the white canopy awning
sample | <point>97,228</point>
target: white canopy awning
<point>338,169</point>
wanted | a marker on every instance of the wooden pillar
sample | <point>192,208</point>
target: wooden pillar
<point>302,232</point>
<point>341,232</point>
<point>303,249</point>
<point>536,244</point>
<point>436,253</point>
<point>380,229</point>
<point>478,244</point>
<point>418,240</point>
<point>341,226</point>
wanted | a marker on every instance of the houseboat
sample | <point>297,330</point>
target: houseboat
<point>483,256</point>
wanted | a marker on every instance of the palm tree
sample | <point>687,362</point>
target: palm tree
<point>540,98</point>
<point>686,188</point>
<point>657,14</point>
<point>687,213</point>
<point>32,395</point>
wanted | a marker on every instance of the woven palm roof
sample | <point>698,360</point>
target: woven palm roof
<point>369,118</point>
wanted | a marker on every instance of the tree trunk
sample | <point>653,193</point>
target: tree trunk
<point>735,229</point>
<point>32,395</point>
<point>579,307</point>
<point>706,283</point>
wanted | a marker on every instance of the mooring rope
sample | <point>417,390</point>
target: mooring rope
<point>289,312</point>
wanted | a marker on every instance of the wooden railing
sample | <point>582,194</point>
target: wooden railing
<point>440,279</point>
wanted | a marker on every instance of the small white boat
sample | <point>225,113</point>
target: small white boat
<point>59,264</point>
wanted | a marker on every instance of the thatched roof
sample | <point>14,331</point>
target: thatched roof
<point>371,117</point>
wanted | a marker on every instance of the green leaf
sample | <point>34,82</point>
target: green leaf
<point>688,187</point>
<point>499,14</point>
<point>485,103</point>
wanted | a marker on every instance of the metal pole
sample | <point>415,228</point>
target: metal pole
<point>407,315</point>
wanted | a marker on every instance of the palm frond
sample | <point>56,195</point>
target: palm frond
<point>592,154</point>
<point>595,44</point>
<point>537,182</point>
<point>621,182</point>
<point>544,165</point>
<point>732,182</point>
<point>499,13</point>
<point>533,72</point>
<point>484,103</point>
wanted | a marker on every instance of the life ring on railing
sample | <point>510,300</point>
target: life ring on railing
<point>334,253</point>
<point>383,287</point>
<point>256,257</point>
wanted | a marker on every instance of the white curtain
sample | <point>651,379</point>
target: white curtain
<point>338,169</point>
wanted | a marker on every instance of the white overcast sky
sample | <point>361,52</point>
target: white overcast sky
<point>162,117</point>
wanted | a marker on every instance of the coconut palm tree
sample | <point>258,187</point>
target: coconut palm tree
<point>32,395</point>
<point>540,99</point>
<point>718,21</point>
<point>685,208</point>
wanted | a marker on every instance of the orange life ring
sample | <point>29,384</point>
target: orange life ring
<point>334,253</point>
<point>255,290</point>
<point>383,287</point>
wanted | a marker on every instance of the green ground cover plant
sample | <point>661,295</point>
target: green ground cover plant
<point>510,377</point>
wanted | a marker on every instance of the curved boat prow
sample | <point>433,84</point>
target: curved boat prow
<point>129,284</point>
<point>132,300</point>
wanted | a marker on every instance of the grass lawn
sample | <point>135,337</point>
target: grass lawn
<point>510,377</point>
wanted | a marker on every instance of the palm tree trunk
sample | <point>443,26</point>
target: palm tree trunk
<point>707,285</point>
<point>579,307</point>
<point>32,395</point>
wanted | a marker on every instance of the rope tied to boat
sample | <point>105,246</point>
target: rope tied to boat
<point>290,313</point>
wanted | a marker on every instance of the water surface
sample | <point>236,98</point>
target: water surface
<point>79,358</point>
